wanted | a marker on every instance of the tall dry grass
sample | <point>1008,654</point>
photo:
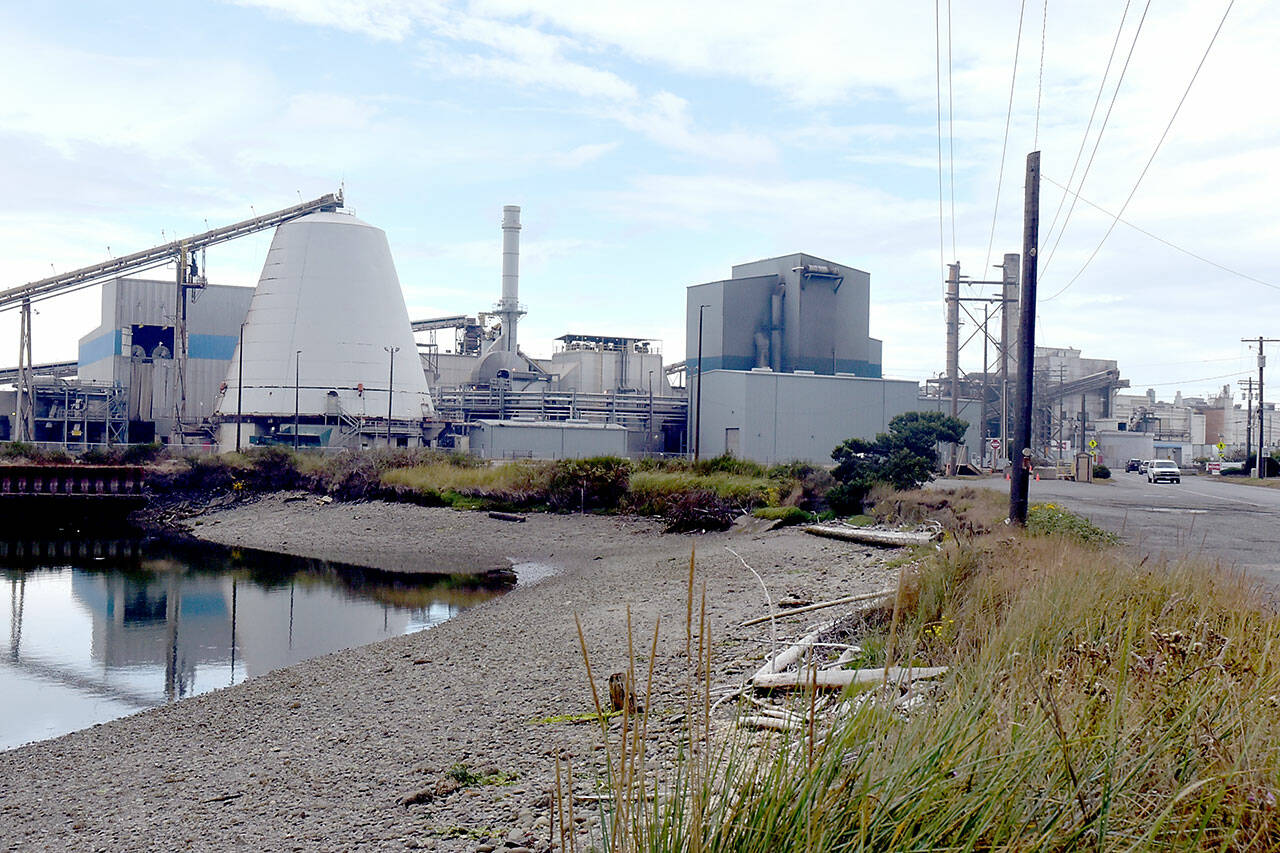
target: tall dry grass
<point>1095,702</point>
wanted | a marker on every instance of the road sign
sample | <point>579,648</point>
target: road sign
<point>1221,447</point>
<point>1093,442</point>
<point>995,443</point>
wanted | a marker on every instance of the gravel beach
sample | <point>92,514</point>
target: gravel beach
<point>324,755</point>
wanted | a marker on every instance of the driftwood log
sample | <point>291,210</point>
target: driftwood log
<point>506,516</point>
<point>848,599</point>
<point>828,679</point>
<point>872,536</point>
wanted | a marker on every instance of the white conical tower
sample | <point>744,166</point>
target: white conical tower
<point>326,317</point>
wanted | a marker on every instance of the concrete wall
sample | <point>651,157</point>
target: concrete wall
<point>546,440</point>
<point>779,417</point>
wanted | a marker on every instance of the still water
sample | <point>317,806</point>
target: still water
<point>97,630</point>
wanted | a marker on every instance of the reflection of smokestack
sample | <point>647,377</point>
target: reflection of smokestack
<point>509,307</point>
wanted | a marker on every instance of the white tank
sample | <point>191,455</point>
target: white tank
<point>326,312</point>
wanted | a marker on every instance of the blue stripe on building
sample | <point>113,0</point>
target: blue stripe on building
<point>211,346</point>
<point>103,346</point>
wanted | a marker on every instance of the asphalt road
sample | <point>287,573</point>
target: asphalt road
<point>1236,524</point>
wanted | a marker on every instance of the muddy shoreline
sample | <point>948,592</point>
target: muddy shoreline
<point>322,756</point>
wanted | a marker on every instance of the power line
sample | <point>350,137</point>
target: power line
<point>951,134</point>
<point>1102,85</point>
<point>1044,26</point>
<point>1154,152</point>
<point>1160,239</point>
<point>1004,147</point>
<point>1098,141</point>
<point>937,79</point>
<point>1201,379</point>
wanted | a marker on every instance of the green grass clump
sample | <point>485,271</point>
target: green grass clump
<point>655,486</point>
<point>787,515</point>
<point>1052,520</point>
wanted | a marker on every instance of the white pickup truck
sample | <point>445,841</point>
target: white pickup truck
<point>1163,469</point>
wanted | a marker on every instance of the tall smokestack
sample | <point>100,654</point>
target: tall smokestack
<point>509,307</point>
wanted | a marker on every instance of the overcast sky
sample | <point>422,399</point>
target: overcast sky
<point>653,145</point>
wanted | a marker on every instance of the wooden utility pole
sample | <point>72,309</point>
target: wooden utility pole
<point>1247,385</point>
<point>1261,467</point>
<point>953,350</point>
<point>1019,477</point>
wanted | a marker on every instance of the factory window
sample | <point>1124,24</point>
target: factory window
<point>153,341</point>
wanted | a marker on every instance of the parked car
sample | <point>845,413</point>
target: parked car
<point>1163,469</point>
<point>1142,466</point>
<point>1133,465</point>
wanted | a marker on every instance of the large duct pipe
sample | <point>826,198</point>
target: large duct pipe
<point>762,349</point>
<point>775,327</point>
<point>509,307</point>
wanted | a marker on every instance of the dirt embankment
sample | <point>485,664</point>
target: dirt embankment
<point>322,756</point>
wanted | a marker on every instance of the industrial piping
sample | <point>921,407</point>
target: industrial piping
<point>775,328</point>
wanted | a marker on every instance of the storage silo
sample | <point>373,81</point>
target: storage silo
<point>326,331</point>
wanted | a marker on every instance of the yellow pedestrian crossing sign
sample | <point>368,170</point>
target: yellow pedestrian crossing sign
<point>1093,442</point>
<point>1221,447</point>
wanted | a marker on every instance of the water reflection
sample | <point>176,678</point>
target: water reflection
<point>102,629</point>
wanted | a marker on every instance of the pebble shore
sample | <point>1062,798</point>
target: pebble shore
<point>355,750</point>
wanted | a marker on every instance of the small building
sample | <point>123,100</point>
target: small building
<point>514,439</point>
<point>779,417</point>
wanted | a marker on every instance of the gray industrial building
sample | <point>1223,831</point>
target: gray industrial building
<point>133,350</point>
<point>795,312</point>
<point>788,366</point>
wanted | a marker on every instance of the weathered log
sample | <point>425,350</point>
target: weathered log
<point>872,536</point>
<point>848,599</point>
<point>506,516</point>
<point>770,723</point>
<point>839,679</point>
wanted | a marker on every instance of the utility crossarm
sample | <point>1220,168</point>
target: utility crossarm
<point>157,255</point>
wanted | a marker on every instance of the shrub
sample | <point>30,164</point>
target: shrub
<point>273,468</point>
<point>905,457</point>
<point>1052,520</point>
<point>136,454</point>
<point>784,515</point>
<point>23,451</point>
<point>696,510</point>
<point>1101,472</point>
<point>727,463</point>
<point>582,484</point>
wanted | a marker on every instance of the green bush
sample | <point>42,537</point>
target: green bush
<point>273,469</point>
<point>137,454</point>
<point>598,483</point>
<point>1052,520</point>
<point>785,515</point>
<point>1101,472</point>
<point>25,452</point>
<point>905,457</point>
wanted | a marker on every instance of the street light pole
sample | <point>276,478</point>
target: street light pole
<point>297,374</point>
<point>697,418</point>
<point>240,391</point>
<point>391,375</point>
